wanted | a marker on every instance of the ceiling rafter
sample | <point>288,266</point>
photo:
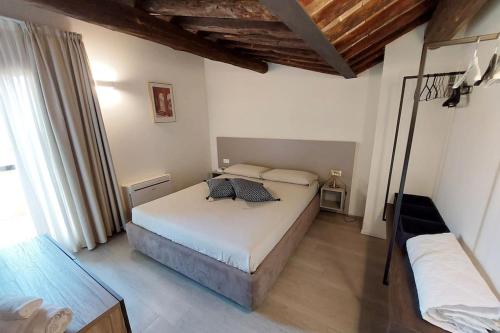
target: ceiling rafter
<point>293,15</point>
<point>277,49</point>
<point>450,16</point>
<point>232,26</point>
<point>262,40</point>
<point>120,17</point>
<point>329,36</point>
<point>284,56</point>
<point>241,9</point>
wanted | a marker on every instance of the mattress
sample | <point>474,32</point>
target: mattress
<point>238,233</point>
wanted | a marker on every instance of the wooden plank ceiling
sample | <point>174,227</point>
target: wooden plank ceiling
<point>343,37</point>
<point>358,29</point>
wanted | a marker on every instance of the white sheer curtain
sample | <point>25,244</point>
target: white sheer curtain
<point>24,115</point>
<point>49,104</point>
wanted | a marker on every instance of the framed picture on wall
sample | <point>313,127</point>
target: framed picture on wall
<point>162,101</point>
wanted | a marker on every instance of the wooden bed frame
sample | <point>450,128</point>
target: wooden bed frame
<point>246,289</point>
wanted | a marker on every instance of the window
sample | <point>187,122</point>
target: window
<point>15,220</point>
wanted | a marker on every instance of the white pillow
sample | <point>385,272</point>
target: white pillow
<point>18,307</point>
<point>246,170</point>
<point>290,176</point>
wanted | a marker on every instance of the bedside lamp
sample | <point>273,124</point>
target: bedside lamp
<point>334,174</point>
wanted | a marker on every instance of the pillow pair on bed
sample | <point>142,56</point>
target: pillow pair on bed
<point>278,175</point>
<point>238,188</point>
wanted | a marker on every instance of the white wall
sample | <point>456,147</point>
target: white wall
<point>289,103</point>
<point>402,58</point>
<point>455,156</point>
<point>139,147</point>
<point>468,192</point>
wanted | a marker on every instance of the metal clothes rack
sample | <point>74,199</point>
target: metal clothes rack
<point>396,135</point>
<point>425,48</point>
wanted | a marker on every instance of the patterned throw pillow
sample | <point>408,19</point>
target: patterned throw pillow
<point>251,191</point>
<point>220,188</point>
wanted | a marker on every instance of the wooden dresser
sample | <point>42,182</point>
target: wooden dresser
<point>41,268</point>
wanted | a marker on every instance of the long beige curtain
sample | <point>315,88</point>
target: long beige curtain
<point>76,121</point>
<point>75,146</point>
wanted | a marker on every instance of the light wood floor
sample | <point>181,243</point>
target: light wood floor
<point>332,283</point>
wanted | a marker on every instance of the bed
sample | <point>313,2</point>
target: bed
<point>233,247</point>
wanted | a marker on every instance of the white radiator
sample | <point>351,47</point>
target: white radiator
<point>148,190</point>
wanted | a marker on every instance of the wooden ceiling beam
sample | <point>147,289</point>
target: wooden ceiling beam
<point>325,68</point>
<point>241,9</point>
<point>449,17</point>
<point>386,34</point>
<point>260,54</point>
<point>262,40</point>
<point>274,49</point>
<point>236,27</point>
<point>278,49</point>
<point>132,21</point>
<point>293,15</point>
<point>369,63</point>
<point>371,54</point>
<point>274,53</point>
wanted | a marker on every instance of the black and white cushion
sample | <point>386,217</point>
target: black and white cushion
<point>251,191</point>
<point>220,188</point>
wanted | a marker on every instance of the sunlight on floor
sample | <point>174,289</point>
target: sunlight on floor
<point>15,220</point>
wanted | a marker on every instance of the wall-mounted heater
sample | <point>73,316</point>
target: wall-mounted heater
<point>148,190</point>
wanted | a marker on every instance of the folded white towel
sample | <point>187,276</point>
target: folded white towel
<point>451,292</point>
<point>47,319</point>
<point>50,319</point>
<point>18,307</point>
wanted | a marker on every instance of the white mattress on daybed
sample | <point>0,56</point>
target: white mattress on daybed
<point>237,233</point>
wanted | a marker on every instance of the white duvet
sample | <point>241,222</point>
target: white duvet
<point>235,232</point>
<point>451,292</point>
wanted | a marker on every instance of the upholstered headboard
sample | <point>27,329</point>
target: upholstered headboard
<point>309,155</point>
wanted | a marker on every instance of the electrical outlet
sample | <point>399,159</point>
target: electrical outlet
<point>225,160</point>
<point>336,173</point>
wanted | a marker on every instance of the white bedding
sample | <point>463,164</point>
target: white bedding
<point>237,233</point>
<point>451,292</point>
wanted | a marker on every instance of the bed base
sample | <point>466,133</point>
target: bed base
<point>248,290</point>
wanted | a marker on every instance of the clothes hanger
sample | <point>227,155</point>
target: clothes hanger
<point>428,96</point>
<point>473,71</point>
<point>488,74</point>
<point>433,87</point>
<point>442,87</point>
<point>451,83</point>
<point>438,87</point>
<point>422,91</point>
<point>494,71</point>
<point>425,87</point>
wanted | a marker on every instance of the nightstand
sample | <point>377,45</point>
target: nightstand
<point>332,198</point>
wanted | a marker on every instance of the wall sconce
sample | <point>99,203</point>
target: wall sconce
<point>105,81</point>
